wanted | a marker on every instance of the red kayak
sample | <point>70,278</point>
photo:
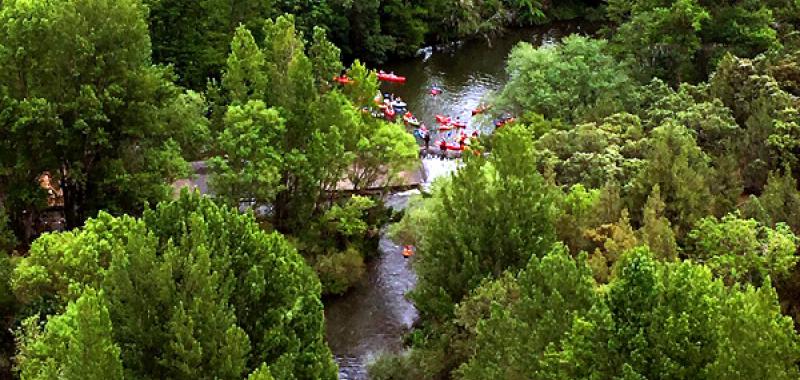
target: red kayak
<point>481,109</point>
<point>389,113</point>
<point>391,77</point>
<point>443,128</point>
<point>502,122</point>
<point>456,147</point>
<point>459,124</point>
<point>443,119</point>
<point>436,91</point>
<point>343,79</point>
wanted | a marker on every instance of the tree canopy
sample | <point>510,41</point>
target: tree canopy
<point>82,101</point>
<point>191,290</point>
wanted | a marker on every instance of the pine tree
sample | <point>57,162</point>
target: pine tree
<point>656,232</point>
<point>244,78</point>
<point>76,345</point>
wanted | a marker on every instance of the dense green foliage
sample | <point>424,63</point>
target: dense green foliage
<point>288,150</point>
<point>681,40</point>
<point>670,160</point>
<point>193,36</point>
<point>743,250</point>
<point>554,324</point>
<point>493,216</point>
<point>73,345</point>
<point>190,290</point>
<point>638,220</point>
<point>565,81</point>
<point>81,99</point>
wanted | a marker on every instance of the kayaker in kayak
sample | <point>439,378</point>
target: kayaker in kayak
<point>389,113</point>
<point>408,251</point>
<point>435,90</point>
<point>399,103</point>
<point>481,109</point>
<point>409,119</point>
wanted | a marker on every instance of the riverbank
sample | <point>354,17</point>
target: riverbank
<point>374,315</point>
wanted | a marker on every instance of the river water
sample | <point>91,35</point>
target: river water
<point>373,316</point>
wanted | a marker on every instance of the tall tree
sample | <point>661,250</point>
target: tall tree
<point>87,105</point>
<point>250,161</point>
<point>194,36</point>
<point>494,215</point>
<point>573,80</point>
<point>551,292</point>
<point>322,137</point>
<point>75,345</point>
<point>681,170</point>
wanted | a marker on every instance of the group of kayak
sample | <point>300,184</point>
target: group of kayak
<point>390,106</point>
<point>382,76</point>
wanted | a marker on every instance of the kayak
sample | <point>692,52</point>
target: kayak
<point>456,147</point>
<point>445,127</point>
<point>436,91</point>
<point>411,121</point>
<point>501,122</point>
<point>443,119</point>
<point>408,252</point>
<point>481,109</point>
<point>343,79</point>
<point>391,78</point>
<point>399,104</point>
<point>459,124</point>
<point>389,113</point>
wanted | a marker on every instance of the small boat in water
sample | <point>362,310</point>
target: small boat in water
<point>481,109</point>
<point>459,124</point>
<point>399,103</point>
<point>389,113</point>
<point>408,251</point>
<point>410,119</point>
<point>390,77</point>
<point>455,147</point>
<point>343,79</point>
<point>443,119</point>
<point>435,90</point>
<point>503,121</point>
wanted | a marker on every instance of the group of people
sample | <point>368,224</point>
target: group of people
<point>390,106</point>
<point>451,133</point>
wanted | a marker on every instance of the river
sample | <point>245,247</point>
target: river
<point>373,316</point>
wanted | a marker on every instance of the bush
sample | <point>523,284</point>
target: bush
<point>339,271</point>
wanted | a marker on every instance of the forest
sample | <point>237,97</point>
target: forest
<point>638,218</point>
